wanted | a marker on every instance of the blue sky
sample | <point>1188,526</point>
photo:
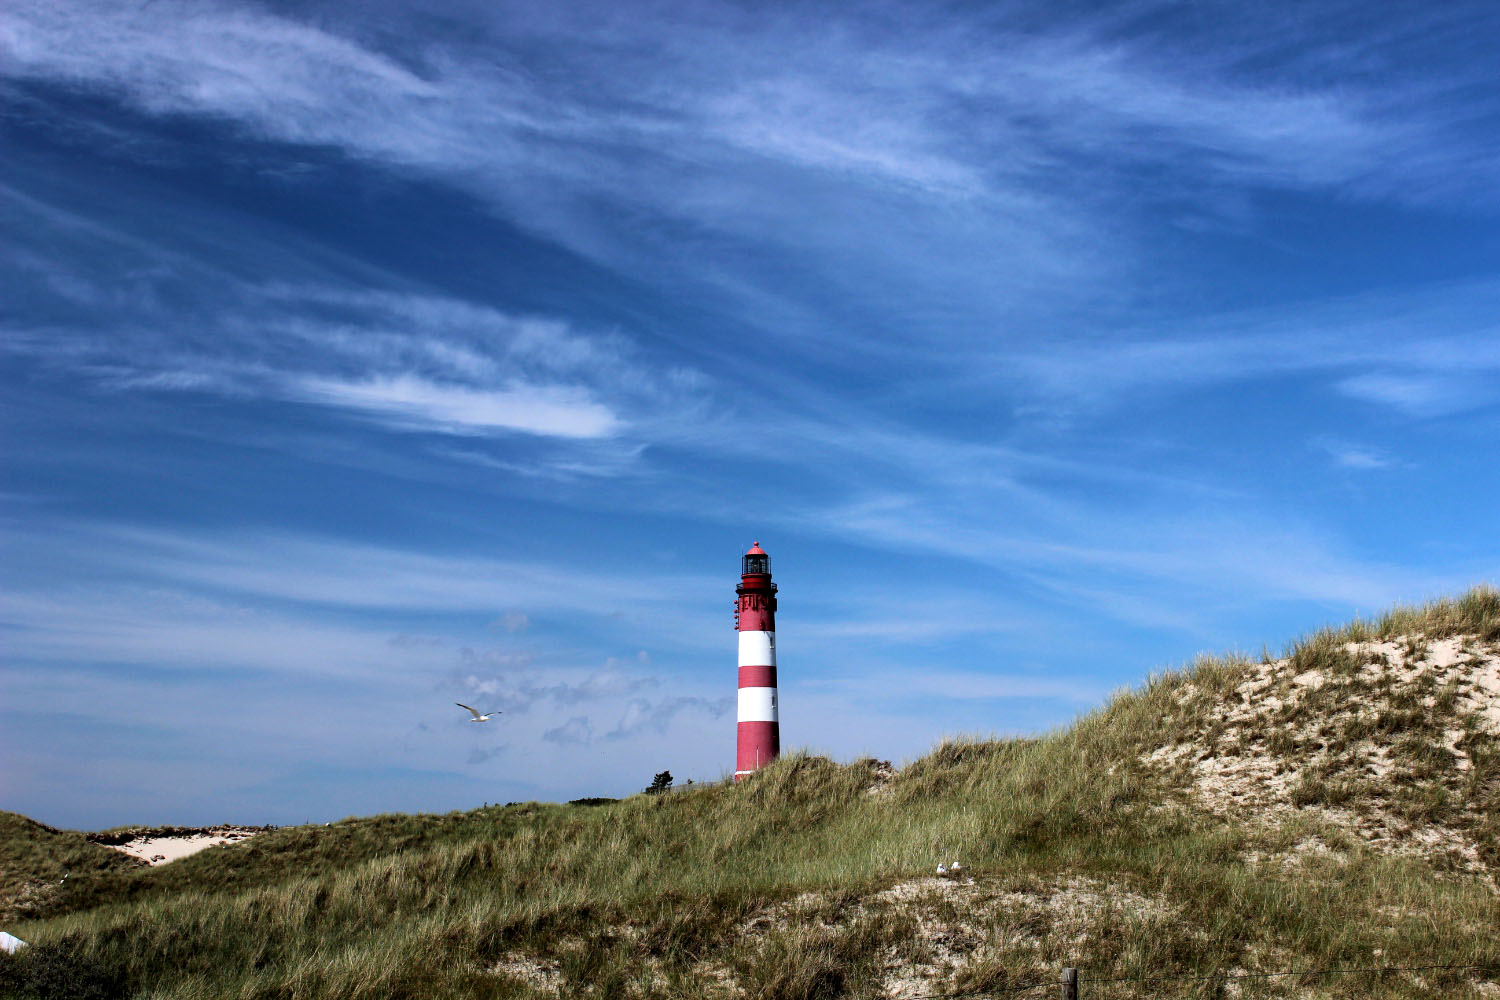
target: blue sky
<point>363,358</point>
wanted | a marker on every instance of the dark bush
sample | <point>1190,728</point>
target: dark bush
<point>59,971</point>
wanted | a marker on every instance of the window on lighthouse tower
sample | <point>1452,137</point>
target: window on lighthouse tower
<point>755,564</point>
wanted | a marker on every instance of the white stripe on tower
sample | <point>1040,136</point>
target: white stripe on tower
<point>757,705</point>
<point>757,649</point>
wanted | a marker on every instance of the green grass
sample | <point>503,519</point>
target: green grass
<point>34,858</point>
<point>801,884</point>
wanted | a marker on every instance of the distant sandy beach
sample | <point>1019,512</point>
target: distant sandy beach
<point>160,847</point>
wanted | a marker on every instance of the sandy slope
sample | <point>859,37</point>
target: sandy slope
<point>158,849</point>
<point>1338,744</point>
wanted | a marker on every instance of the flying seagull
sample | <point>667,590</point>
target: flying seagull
<point>475,713</point>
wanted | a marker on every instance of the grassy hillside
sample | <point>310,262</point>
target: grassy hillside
<point>35,858</point>
<point>1336,808</point>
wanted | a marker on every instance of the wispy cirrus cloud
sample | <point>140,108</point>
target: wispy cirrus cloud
<point>1432,393</point>
<point>518,685</point>
<point>642,714</point>
<point>964,686</point>
<point>410,362</point>
<point>777,90</point>
<point>1139,554</point>
<point>1029,131</point>
<point>1427,352</point>
<point>311,571</point>
<point>1348,455</point>
<point>576,730</point>
<point>408,402</point>
<point>916,111</point>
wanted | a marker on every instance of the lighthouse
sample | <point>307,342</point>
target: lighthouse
<point>759,737</point>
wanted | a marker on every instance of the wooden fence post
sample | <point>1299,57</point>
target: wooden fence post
<point>1070,984</point>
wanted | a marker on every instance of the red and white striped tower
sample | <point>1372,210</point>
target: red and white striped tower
<point>755,620</point>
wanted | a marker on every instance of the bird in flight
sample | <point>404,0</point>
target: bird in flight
<point>475,713</point>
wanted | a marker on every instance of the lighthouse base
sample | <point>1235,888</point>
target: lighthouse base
<point>759,744</point>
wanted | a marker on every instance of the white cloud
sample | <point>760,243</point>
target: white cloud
<point>641,714</point>
<point>1442,339</point>
<point>408,362</point>
<point>962,686</point>
<point>736,123</point>
<point>512,621</point>
<point>576,730</point>
<point>1425,394</point>
<point>1354,456</point>
<point>408,401</point>
<point>1166,551</point>
<point>332,573</point>
<point>480,754</point>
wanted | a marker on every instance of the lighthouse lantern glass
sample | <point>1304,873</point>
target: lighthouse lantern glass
<point>755,564</point>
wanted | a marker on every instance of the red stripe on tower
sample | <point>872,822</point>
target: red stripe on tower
<point>755,619</point>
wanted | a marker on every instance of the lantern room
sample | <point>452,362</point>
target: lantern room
<point>755,562</point>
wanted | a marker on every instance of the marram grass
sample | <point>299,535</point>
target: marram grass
<point>804,883</point>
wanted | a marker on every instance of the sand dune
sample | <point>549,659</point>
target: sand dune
<point>160,848</point>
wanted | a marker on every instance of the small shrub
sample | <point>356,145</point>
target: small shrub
<point>1427,757</point>
<point>1282,743</point>
<point>1321,790</point>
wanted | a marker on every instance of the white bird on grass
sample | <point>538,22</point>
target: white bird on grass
<point>475,713</point>
<point>955,867</point>
<point>942,870</point>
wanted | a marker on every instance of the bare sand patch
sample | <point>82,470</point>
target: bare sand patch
<point>881,775</point>
<point>1322,742</point>
<point>160,848</point>
<point>539,975</point>
<point>959,923</point>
